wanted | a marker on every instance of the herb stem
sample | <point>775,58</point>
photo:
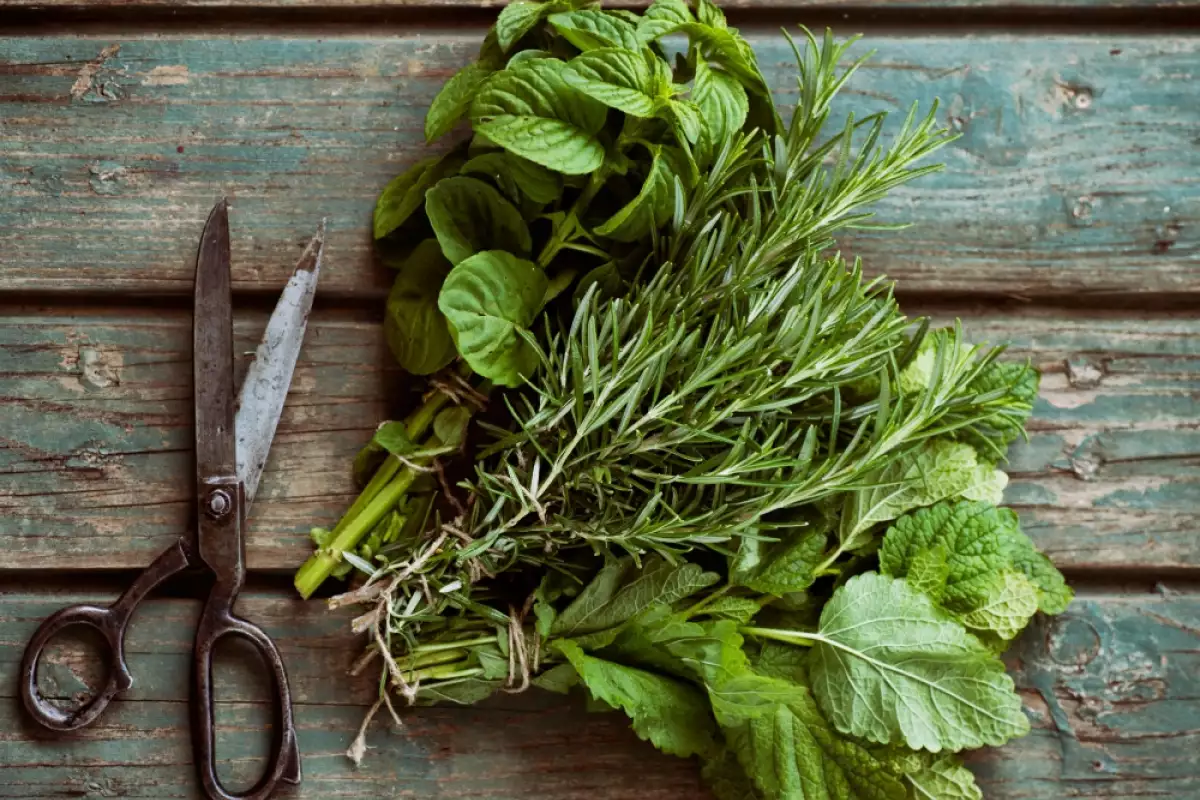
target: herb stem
<point>454,645</point>
<point>443,672</point>
<point>802,638</point>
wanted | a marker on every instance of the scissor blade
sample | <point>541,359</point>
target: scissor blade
<point>265,389</point>
<point>212,359</point>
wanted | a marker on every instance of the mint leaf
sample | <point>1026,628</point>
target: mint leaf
<point>1053,593</point>
<point>593,29</point>
<point>405,194</point>
<point>450,425</point>
<point>489,301</point>
<point>1006,609</point>
<point>686,118</point>
<point>790,751</point>
<point>662,18</point>
<point>1018,383</point>
<point>559,679</point>
<point>943,778</point>
<point>517,19</point>
<point>712,652</point>
<point>782,661</point>
<point>529,109</point>
<point>592,600</point>
<point>789,567</point>
<point>722,103</point>
<point>929,571</point>
<point>666,712</point>
<point>657,583</point>
<point>470,216</point>
<point>617,78</point>
<point>517,176</point>
<point>649,210</point>
<point>737,609</point>
<point>939,470</point>
<point>981,541</point>
<point>454,99</point>
<point>414,327</point>
<point>888,665</point>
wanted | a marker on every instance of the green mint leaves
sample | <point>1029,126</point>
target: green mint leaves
<point>530,109</point>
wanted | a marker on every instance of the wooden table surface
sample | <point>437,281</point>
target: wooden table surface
<point>1067,222</point>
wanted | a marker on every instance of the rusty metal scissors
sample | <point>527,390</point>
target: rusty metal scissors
<point>231,450</point>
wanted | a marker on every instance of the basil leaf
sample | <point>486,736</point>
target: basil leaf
<point>490,300</point>
<point>452,102</point>
<point>617,78</point>
<point>722,103</point>
<point>649,210</point>
<point>405,193</point>
<point>470,216</point>
<point>415,329</point>
<point>530,110</point>
<point>517,19</point>
<point>517,176</point>
<point>592,29</point>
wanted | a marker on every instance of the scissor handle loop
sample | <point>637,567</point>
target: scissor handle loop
<point>216,623</point>
<point>112,623</point>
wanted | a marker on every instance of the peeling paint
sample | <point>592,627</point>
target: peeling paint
<point>104,177</point>
<point>99,369</point>
<point>172,75</point>
<point>85,78</point>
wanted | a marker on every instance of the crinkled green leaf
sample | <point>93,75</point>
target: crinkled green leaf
<point>657,583</point>
<point>593,29</point>
<point>617,78</point>
<point>783,661</point>
<point>738,609</point>
<point>1006,609</point>
<point>722,103</point>
<point>489,301</point>
<point>529,109</point>
<point>789,566</point>
<point>647,211</point>
<point>470,216</point>
<point>1018,383</point>
<point>454,99</point>
<point>669,713</point>
<point>662,18</point>
<point>415,329</point>
<point>464,693</point>
<point>929,570</point>
<point>517,176</point>
<point>518,18</point>
<point>939,470</point>
<point>405,194</point>
<point>981,541</point>
<point>943,778</point>
<point>790,751</point>
<point>525,55</point>
<point>889,666</point>
<point>712,651</point>
<point>597,594</point>
<point>560,679</point>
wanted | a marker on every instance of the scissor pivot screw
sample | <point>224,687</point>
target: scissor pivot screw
<point>218,503</point>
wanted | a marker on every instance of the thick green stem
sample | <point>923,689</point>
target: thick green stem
<point>790,637</point>
<point>558,238</point>
<point>454,645</point>
<point>433,659</point>
<point>442,672</point>
<point>322,563</point>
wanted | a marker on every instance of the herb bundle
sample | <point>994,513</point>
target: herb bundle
<point>727,488</point>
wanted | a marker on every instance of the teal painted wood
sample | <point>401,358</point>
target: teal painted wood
<point>95,435</point>
<point>1074,173</point>
<point>1111,690</point>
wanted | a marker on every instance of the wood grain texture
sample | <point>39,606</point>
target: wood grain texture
<point>1111,688</point>
<point>95,435</point>
<point>1076,171</point>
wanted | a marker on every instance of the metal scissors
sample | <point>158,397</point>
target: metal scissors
<point>231,450</point>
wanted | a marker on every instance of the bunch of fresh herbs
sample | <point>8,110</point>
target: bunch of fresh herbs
<point>727,487</point>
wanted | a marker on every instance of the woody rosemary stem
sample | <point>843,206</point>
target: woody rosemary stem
<point>386,488</point>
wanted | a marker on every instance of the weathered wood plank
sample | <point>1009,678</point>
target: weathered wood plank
<point>1076,171</point>
<point>95,436</point>
<point>1111,689</point>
